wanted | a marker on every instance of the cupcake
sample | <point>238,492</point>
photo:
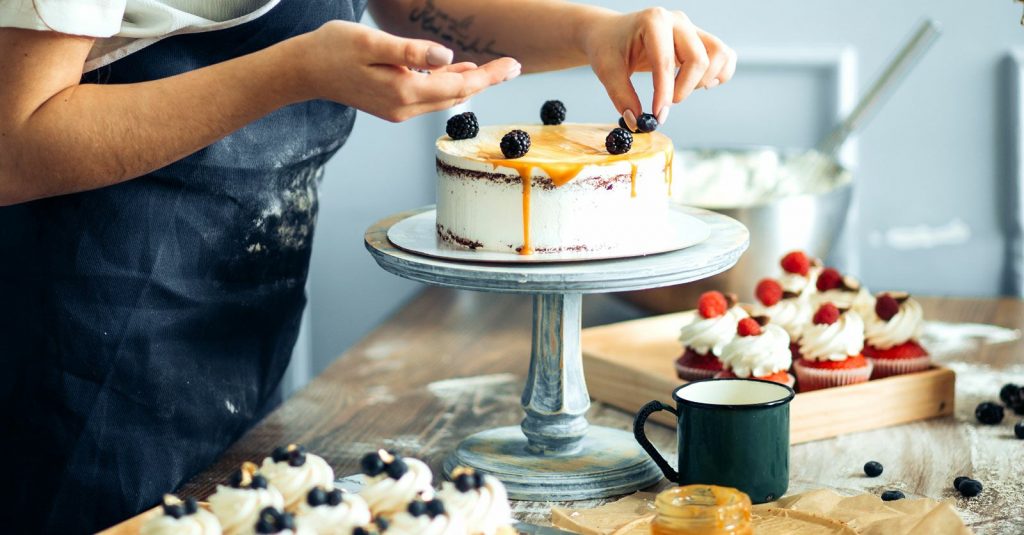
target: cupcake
<point>480,500</point>
<point>275,521</point>
<point>329,511</point>
<point>891,336</point>
<point>785,309</point>
<point>758,352</point>
<point>392,482</point>
<point>181,517</point>
<point>425,518</point>
<point>294,472</point>
<point>238,504</point>
<point>845,292</point>
<point>830,350</point>
<point>799,274</point>
<point>703,339</point>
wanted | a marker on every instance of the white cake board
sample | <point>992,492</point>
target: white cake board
<point>418,234</point>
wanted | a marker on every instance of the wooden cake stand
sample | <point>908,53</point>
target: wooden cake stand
<point>555,454</point>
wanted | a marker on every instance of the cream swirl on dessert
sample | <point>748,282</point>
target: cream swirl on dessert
<point>792,314</point>
<point>332,512</point>
<point>181,518</point>
<point>859,300</point>
<point>391,482</point>
<point>479,499</point>
<point>760,355</point>
<point>836,342</point>
<point>904,326</point>
<point>238,506</point>
<point>294,472</point>
<point>435,522</point>
<point>709,335</point>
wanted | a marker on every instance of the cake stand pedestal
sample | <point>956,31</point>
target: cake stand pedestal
<point>555,454</point>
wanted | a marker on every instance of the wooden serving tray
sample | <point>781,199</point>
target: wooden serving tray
<point>630,363</point>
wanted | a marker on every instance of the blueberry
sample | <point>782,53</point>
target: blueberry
<point>287,521</point>
<point>989,413</point>
<point>236,479</point>
<point>265,526</point>
<point>317,496</point>
<point>335,497</point>
<point>372,464</point>
<point>360,531</point>
<point>382,523</point>
<point>970,487</point>
<point>397,469</point>
<point>622,124</point>
<point>280,454</point>
<point>464,482</point>
<point>435,508</point>
<point>297,457</point>
<point>1010,394</point>
<point>417,508</point>
<point>258,482</point>
<point>191,506</point>
<point>478,480</point>
<point>873,469</point>
<point>175,510</point>
<point>891,495</point>
<point>958,480</point>
<point>646,123</point>
<point>1018,429</point>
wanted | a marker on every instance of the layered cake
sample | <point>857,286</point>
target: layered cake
<point>567,187</point>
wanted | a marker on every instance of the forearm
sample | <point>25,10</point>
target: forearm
<point>528,30</point>
<point>89,136</point>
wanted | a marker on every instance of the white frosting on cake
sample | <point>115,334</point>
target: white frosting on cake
<point>386,496</point>
<point>486,510</point>
<point>405,524</point>
<point>905,326</point>
<point>760,355</point>
<point>239,508</point>
<point>200,523</point>
<point>792,314</point>
<point>710,335</point>
<point>835,342</point>
<point>294,482</point>
<point>580,197</point>
<point>339,519</point>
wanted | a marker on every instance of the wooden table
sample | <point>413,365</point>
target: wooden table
<point>451,363</point>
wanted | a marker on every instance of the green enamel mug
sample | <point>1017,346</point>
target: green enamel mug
<point>730,432</point>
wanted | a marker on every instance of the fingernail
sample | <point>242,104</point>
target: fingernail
<point>630,119</point>
<point>713,83</point>
<point>513,72</point>
<point>663,114</point>
<point>438,56</point>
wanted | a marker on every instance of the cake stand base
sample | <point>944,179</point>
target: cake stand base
<point>608,463</point>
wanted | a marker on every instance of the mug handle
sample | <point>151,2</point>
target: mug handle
<point>641,436</point>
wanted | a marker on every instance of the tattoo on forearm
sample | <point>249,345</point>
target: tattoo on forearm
<point>452,31</point>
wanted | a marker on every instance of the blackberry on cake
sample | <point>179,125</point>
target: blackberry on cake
<point>462,126</point>
<point>619,141</point>
<point>552,112</point>
<point>515,144</point>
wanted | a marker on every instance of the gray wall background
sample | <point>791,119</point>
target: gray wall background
<point>935,170</point>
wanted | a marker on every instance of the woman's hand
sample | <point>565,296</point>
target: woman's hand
<point>659,41</point>
<point>387,76</point>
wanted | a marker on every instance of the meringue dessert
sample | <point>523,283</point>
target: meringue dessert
<point>481,500</point>
<point>294,472</point>
<point>329,511</point>
<point>238,504</point>
<point>179,516</point>
<point>568,192</point>
<point>392,482</point>
<point>425,518</point>
<point>276,521</point>
<point>707,334</point>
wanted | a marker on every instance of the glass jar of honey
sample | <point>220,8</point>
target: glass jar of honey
<point>702,510</point>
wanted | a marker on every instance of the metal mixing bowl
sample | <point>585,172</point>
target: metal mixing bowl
<point>807,214</point>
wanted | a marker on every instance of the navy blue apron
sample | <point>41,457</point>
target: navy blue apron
<point>145,326</point>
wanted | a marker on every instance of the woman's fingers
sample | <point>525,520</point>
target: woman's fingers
<point>691,54</point>
<point>658,40</point>
<point>415,53</point>
<point>457,67</point>
<point>722,61</point>
<point>449,85</point>
<point>615,78</point>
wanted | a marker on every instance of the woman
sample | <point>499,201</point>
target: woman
<point>158,210</point>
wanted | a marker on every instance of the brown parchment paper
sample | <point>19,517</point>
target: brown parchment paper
<point>816,512</point>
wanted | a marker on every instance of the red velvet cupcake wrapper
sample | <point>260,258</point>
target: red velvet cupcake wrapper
<point>818,378</point>
<point>890,367</point>
<point>687,373</point>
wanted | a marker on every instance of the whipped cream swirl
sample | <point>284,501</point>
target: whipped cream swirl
<point>905,326</point>
<point>405,524</point>
<point>387,496</point>
<point>486,510</point>
<point>835,342</point>
<point>294,482</point>
<point>199,523</point>
<point>239,509</point>
<point>759,356</point>
<point>791,314</point>
<point>329,519</point>
<point>709,335</point>
<point>860,301</point>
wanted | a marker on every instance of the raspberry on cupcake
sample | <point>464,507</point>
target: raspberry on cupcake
<point>844,291</point>
<point>891,333</point>
<point>831,350</point>
<point>712,328</point>
<point>759,351</point>
<point>785,309</point>
<point>799,274</point>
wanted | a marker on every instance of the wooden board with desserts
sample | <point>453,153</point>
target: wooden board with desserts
<point>844,350</point>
